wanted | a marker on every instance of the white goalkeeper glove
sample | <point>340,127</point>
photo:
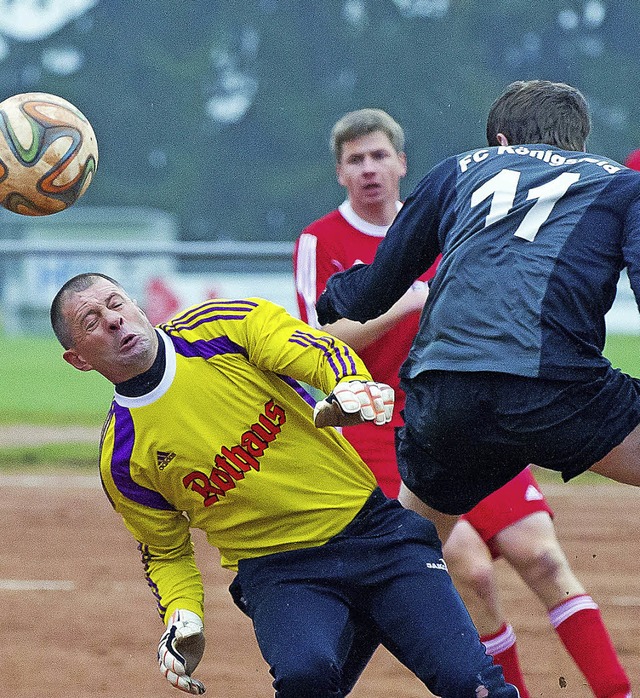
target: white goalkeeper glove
<point>180,650</point>
<point>354,402</point>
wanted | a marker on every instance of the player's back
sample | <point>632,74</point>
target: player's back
<point>533,240</point>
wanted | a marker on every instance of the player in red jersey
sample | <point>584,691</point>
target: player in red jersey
<point>516,521</point>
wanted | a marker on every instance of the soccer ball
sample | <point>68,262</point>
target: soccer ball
<point>48,154</point>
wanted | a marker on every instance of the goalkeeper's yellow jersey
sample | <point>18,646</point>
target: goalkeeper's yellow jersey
<point>226,443</point>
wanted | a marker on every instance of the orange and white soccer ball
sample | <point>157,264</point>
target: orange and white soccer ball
<point>48,154</point>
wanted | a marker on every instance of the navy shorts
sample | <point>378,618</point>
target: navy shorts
<point>383,573</point>
<point>467,434</point>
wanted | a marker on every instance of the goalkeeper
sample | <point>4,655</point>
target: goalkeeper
<point>209,428</point>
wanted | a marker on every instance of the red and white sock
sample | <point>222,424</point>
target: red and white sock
<point>582,631</point>
<point>502,647</point>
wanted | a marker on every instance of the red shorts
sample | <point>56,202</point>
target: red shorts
<point>512,502</point>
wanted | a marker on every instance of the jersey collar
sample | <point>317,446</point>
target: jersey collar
<point>162,387</point>
<point>378,231</point>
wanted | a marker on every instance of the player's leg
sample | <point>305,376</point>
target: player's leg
<point>424,622</point>
<point>304,636</point>
<point>471,566</point>
<point>471,553</point>
<point>365,641</point>
<point>436,639</point>
<point>472,569</point>
<point>622,463</point>
<point>304,630</point>
<point>532,548</point>
<point>444,523</point>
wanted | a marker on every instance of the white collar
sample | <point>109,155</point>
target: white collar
<point>163,385</point>
<point>379,231</point>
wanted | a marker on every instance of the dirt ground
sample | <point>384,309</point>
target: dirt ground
<point>79,620</point>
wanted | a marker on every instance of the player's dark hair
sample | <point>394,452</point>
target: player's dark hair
<point>539,111</point>
<point>359,123</point>
<point>73,285</point>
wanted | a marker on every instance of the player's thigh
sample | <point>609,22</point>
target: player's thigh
<point>472,568</point>
<point>424,622</point>
<point>314,621</point>
<point>524,540</point>
<point>444,523</point>
<point>466,553</point>
<point>622,463</point>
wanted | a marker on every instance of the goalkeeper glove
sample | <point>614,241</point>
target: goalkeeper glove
<point>354,402</point>
<point>180,650</point>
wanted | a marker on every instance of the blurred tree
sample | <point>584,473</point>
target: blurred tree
<point>220,112</point>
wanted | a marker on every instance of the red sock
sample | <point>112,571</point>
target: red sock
<point>579,625</point>
<point>502,647</point>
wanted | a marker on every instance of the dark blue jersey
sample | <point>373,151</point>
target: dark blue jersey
<point>533,240</point>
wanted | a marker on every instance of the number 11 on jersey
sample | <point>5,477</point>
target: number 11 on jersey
<point>502,189</point>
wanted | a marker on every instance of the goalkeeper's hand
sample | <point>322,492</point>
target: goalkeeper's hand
<point>180,650</point>
<point>354,402</point>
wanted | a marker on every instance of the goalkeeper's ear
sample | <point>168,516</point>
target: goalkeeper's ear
<point>72,357</point>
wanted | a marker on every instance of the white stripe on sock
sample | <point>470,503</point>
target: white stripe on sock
<point>501,642</point>
<point>565,610</point>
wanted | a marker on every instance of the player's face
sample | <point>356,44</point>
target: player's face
<point>110,333</point>
<point>371,169</point>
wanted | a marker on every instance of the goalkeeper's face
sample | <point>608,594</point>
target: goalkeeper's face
<point>110,333</point>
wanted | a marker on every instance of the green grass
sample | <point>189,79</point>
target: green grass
<point>39,387</point>
<point>77,456</point>
<point>624,352</point>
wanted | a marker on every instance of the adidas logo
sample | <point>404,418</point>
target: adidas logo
<point>532,494</point>
<point>164,458</point>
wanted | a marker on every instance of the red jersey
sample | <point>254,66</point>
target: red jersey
<point>333,243</point>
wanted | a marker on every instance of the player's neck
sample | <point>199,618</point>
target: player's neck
<point>378,213</point>
<point>145,382</point>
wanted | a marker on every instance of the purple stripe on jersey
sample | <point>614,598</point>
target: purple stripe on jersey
<point>206,348</point>
<point>121,464</point>
<point>307,397</point>
<point>216,304</point>
<point>203,313</point>
<point>208,318</point>
<point>332,354</point>
<point>146,559</point>
<point>306,343</point>
<point>307,339</point>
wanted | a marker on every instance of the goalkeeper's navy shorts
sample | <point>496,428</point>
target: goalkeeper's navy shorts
<point>467,434</point>
<point>320,612</point>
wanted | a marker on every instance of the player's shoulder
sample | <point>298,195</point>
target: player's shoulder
<point>209,311</point>
<point>255,305</point>
<point>441,172</point>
